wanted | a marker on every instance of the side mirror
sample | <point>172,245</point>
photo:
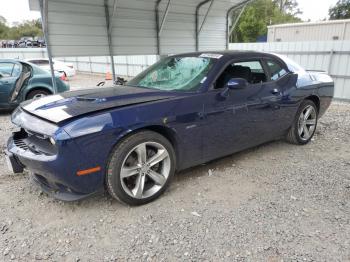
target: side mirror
<point>237,83</point>
<point>234,83</point>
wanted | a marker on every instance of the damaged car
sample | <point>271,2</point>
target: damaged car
<point>183,111</point>
<point>20,81</point>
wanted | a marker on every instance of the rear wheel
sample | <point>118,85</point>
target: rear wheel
<point>141,168</point>
<point>304,126</point>
<point>37,94</point>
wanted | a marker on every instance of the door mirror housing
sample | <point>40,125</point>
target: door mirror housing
<point>237,83</point>
<point>234,83</point>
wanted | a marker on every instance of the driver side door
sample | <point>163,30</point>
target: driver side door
<point>9,74</point>
<point>245,117</point>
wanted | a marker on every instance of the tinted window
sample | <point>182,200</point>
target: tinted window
<point>276,70</point>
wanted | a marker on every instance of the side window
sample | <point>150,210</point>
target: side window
<point>6,69</point>
<point>16,70</point>
<point>251,70</point>
<point>276,70</point>
<point>44,62</point>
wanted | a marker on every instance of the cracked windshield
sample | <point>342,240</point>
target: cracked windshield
<point>175,74</point>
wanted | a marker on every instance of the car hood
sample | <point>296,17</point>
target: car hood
<point>60,107</point>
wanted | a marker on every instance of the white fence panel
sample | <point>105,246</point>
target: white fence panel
<point>330,56</point>
<point>22,53</point>
<point>126,66</point>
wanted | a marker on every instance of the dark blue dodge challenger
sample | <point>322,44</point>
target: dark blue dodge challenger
<point>182,111</point>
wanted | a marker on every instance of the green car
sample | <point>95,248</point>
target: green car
<point>21,81</point>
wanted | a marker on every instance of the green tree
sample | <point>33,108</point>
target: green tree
<point>2,20</point>
<point>27,28</point>
<point>261,13</point>
<point>288,6</point>
<point>340,11</point>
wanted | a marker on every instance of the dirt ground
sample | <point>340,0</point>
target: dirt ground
<point>271,203</point>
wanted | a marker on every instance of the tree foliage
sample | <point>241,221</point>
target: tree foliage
<point>261,13</point>
<point>27,28</point>
<point>288,6</point>
<point>340,11</point>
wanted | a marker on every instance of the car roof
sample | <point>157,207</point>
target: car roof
<point>227,55</point>
<point>36,58</point>
<point>9,60</point>
<point>22,61</point>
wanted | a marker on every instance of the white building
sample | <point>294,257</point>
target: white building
<point>310,31</point>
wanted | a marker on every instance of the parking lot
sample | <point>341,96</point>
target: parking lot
<point>271,203</point>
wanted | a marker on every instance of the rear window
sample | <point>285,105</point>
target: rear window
<point>276,70</point>
<point>6,69</point>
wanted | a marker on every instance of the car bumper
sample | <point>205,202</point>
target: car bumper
<point>55,174</point>
<point>58,192</point>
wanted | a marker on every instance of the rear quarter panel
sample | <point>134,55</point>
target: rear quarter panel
<point>36,82</point>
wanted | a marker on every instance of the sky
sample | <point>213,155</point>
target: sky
<point>18,10</point>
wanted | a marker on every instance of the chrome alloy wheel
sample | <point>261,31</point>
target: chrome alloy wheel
<point>307,122</point>
<point>145,170</point>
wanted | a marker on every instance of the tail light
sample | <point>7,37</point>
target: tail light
<point>64,77</point>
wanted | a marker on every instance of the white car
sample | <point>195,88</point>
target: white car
<point>62,67</point>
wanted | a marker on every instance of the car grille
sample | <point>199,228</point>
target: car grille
<point>36,143</point>
<point>20,143</point>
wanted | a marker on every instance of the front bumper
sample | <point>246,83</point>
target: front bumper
<point>57,191</point>
<point>12,163</point>
<point>56,174</point>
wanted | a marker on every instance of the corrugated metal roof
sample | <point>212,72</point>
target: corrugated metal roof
<point>79,27</point>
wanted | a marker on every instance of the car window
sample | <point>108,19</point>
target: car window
<point>16,70</point>
<point>255,66</point>
<point>276,70</point>
<point>175,74</point>
<point>44,62</point>
<point>6,69</point>
<point>33,61</point>
<point>252,71</point>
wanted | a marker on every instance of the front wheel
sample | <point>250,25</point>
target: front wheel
<point>140,168</point>
<point>304,126</point>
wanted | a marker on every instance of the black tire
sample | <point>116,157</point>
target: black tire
<point>120,154</point>
<point>293,135</point>
<point>37,93</point>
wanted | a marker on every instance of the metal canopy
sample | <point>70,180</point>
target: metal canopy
<point>132,27</point>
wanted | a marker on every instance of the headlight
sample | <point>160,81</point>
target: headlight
<point>52,141</point>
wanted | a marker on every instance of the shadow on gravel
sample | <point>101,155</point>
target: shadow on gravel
<point>5,112</point>
<point>229,161</point>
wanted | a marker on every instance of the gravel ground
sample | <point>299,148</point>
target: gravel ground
<point>271,203</point>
